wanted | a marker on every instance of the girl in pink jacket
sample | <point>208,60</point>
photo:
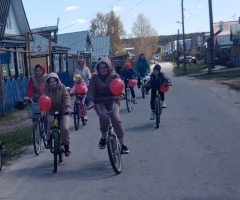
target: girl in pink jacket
<point>79,83</point>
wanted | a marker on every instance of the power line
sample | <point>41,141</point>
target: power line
<point>90,15</point>
<point>194,15</point>
<point>196,5</point>
<point>131,9</point>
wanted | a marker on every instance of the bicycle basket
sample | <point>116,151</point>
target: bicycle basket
<point>33,108</point>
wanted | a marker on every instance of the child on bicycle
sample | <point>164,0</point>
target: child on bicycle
<point>126,74</point>
<point>82,97</point>
<point>61,102</point>
<point>157,78</point>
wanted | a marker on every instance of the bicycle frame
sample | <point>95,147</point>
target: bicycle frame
<point>110,127</point>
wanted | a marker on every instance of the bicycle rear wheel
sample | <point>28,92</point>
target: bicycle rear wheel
<point>55,150</point>
<point>76,117</point>
<point>114,154</point>
<point>129,100</point>
<point>1,157</point>
<point>157,113</point>
<point>36,137</point>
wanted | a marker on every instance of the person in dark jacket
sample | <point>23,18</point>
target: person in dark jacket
<point>118,68</point>
<point>126,74</point>
<point>157,78</point>
<point>142,68</point>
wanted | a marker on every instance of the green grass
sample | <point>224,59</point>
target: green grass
<point>226,74</point>
<point>193,69</point>
<point>14,141</point>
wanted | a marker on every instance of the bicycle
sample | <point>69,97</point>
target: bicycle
<point>56,147</point>
<point>129,99</point>
<point>38,133</point>
<point>1,155</point>
<point>158,106</point>
<point>79,112</point>
<point>141,82</point>
<point>113,144</point>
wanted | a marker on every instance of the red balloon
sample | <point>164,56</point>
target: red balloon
<point>116,86</point>
<point>164,88</point>
<point>45,103</point>
<point>42,87</point>
<point>132,83</point>
<point>80,89</point>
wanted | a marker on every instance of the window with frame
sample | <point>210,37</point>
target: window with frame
<point>20,63</point>
<point>56,63</point>
<point>11,65</point>
<point>64,63</point>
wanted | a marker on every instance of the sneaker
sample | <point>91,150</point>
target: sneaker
<point>85,118</point>
<point>134,101</point>
<point>152,116</point>
<point>67,150</point>
<point>124,149</point>
<point>102,143</point>
<point>164,104</point>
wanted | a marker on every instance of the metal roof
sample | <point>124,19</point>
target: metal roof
<point>76,41</point>
<point>19,12</point>
<point>5,6</point>
<point>44,29</point>
<point>102,46</point>
<point>40,45</point>
<point>226,27</point>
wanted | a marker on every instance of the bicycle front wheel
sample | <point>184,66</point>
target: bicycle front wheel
<point>128,100</point>
<point>55,150</point>
<point>76,117</point>
<point>36,137</point>
<point>157,113</point>
<point>143,92</point>
<point>114,154</point>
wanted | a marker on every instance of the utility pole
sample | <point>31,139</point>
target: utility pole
<point>184,45</point>
<point>178,49</point>
<point>211,47</point>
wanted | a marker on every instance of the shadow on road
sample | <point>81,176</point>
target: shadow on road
<point>92,171</point>
<point>148,126</point>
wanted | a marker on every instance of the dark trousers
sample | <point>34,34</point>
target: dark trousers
<point>153,95</point>
<point>131,89</point>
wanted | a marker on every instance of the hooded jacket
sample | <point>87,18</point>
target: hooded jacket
<point>84,73</point>
<point>33,89</point>
<point>59,95</point>
<point>99,91</point>
<point>142,67</point>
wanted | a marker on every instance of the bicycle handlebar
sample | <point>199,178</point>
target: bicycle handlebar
<point>109,111</point>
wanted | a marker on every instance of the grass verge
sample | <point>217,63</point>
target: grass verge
<point>192,69</point>
<point>229,78</point>
<point>14,141</point>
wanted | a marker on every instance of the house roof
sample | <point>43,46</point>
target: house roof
<point>19,11</point>
<point>226,27</point>
<point>45,29</point>
<point>40,45</point>
<point>224,40</point>
<point>102,46</point>
<point>76,41</point>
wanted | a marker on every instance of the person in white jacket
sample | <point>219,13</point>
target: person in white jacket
<point>83,71</point>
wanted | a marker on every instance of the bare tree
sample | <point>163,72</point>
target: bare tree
<point>146,38</point>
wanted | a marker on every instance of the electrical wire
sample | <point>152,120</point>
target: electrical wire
<point>90,15</point>
<point>131,9</point>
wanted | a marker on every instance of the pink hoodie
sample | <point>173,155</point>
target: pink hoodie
<point>73,90</point>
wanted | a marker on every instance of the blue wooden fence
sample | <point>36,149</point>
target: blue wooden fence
<point>64,78</point>
<point>13,91</point>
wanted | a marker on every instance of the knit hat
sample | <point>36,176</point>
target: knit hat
<point>157,67</point>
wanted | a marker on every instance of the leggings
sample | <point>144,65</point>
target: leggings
<point>153,95</point>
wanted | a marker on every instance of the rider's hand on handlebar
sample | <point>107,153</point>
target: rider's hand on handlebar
<point>26,98</point>
<point>43,113</point>
<point>90,107</point>
<point>68,111</point>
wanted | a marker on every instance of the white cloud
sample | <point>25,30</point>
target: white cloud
<point>79,21</point>
<point>117,8</point>
<point>70,8</point>
<point>199,6</point>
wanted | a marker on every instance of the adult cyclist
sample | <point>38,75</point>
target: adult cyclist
<point>142,68</point>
